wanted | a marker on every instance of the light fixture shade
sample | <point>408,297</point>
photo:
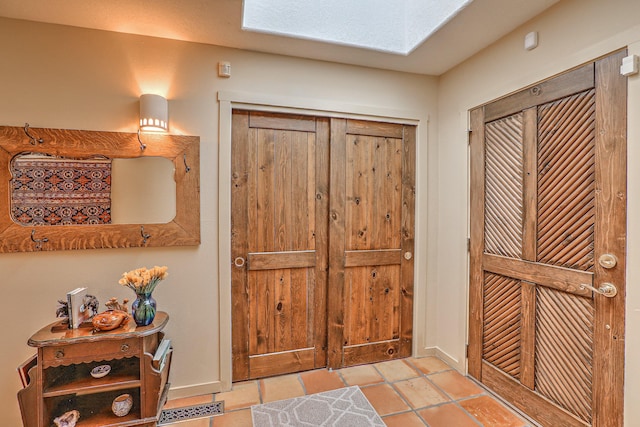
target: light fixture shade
<point>154,113</point>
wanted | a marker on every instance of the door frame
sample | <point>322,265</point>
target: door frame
<point>230,100</point>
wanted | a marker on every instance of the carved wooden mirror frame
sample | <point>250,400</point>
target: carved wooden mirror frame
<point>183,151</point>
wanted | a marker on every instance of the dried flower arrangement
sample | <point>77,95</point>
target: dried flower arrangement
<point>143,280</point>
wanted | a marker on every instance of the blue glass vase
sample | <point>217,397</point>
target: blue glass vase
<point>143,309</point>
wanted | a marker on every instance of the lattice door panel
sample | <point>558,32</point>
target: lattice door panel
<point>502,323</point>
<point>564,350</point>
<point>504,187</point>
<point>566,171</point>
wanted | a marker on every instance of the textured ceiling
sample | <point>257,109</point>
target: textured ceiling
<point>219,22</point>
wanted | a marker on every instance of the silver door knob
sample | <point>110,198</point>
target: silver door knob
<point>239,262</point>
<point>608,260</point>
<point>607,289</point>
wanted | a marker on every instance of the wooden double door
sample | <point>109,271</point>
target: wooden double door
<point>548,246</point>
<point>322,242</point>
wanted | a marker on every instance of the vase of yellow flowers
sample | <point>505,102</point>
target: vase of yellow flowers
<point>143,281</point>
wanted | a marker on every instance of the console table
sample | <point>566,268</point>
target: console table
<point>60,378</point>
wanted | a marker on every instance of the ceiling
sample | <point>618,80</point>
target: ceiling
<point>218,22</point>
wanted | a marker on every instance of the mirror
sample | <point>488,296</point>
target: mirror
<point>70,189</point>
<point>48,190</point>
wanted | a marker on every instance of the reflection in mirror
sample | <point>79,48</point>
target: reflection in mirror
<point>143,191</point>
<point>48,190</point>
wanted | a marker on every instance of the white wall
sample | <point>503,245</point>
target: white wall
<point>64,77</point>
<point>570,33</point>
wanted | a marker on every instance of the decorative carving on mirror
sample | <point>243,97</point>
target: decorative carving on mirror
<point>57,189</point>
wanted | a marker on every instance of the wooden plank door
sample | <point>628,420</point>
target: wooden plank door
<point>279,243</point>
<point>548,225</point>
<point>371,241</point>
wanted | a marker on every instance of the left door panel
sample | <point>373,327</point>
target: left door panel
<point>280,184</point>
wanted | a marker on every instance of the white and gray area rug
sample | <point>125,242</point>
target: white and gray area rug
<point>345,407</point>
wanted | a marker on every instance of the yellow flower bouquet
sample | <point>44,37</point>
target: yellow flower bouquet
<point>143,281</point>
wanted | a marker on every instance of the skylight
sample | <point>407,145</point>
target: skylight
<point>394,26</point>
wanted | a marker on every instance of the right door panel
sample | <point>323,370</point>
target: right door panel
<point>371,241</point>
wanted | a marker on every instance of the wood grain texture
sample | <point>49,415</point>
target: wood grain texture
<point>241,154</point>
<point>261,366</point>
<point>504,187</point>
<point>279,260</point>
<point>566,187</point>
<point>577,80</point>
<point>611,237</point>
<point>183,230</point>
<point>372,257</point>
<point>277,228</point>
<point>380,193</point>
<point>407,242</point>
<point>297,122</point>
<point>564,351</point>
<point>501,341</point>
<point>531,403</point>
<point>336,283</point>
<point>321,236</point>
<point>561,278</point>
<point>571,341</point>
<point>371,353</point>
<point>476,242</point>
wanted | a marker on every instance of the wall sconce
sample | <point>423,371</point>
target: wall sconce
<point>154,113</point>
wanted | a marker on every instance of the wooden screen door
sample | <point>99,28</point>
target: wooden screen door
<point>322,242</point>
<point>548,241</point>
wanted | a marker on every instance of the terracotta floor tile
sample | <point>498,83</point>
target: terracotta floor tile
<point>188,401</point>
<point>240,418</point>
<point>279,388</point>
<point>199,422</point>
<point>455,385</point>
<point>490,412</point>
<point>429,365</point>
<point>408,419</point>
<point>448,415</point>
<point>361,375</point>
<point>396,370</point>
<point>242,395</point>
<point>321,380</point>
<point>384,399</point>
<point>420,393</point>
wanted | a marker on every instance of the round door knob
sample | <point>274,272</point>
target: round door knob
<point>408,255</point>
<point>607,261</point>
<point>239,262</point>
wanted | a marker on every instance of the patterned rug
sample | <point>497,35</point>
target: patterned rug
<point>54,191</point>
<point>345,407</point>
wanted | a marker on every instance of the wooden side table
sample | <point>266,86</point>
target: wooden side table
<point>60,380</point>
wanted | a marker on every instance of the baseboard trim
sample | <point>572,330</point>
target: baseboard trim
<point>195,390</point>
<point>456,364</point>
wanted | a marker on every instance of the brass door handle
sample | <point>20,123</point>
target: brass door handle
<point>607,289</point>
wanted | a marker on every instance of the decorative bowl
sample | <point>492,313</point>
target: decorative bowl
<point>68,419</point>
<point>109,320</point>
<point>100,371</point>
<point>122,405</point>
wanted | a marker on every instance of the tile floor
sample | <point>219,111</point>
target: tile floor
<point>412,392</point>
